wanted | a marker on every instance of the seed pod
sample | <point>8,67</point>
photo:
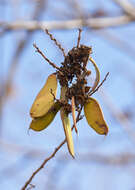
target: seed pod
<point>45,99</point>
<point>96,82</point>
<point>66,124</point>
<point>94,116</point>
<point>43,122</point>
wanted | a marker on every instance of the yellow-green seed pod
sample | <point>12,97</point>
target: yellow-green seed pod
<point>94,116</point>
<point>68,132</point>
<point>43,122</point>
<point>45,99</point>
<point>66,124</point>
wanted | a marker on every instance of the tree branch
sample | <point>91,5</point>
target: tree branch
<point>127,7</point>
<point>50,157</point>
<point>95,23</point>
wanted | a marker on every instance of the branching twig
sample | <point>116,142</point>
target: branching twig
<point>41,53</point>
<point>99,85</point>
<point>50,157</point>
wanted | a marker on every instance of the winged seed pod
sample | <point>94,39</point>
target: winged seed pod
<point>43,122</point>
<point>94,116</point>
<point>66,123</point>
<point>45,99</point>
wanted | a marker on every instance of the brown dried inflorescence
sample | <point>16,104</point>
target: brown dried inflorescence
<point>73,73</point>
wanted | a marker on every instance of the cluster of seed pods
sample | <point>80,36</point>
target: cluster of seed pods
<point>75,94</point>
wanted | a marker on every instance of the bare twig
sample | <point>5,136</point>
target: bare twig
<point>99,85</point>
<point>73,113</point>
<point>55,41</point>
<point>41,53</point>
<point>79,38</point>
<point>43,164</point>
<point>50,157</point>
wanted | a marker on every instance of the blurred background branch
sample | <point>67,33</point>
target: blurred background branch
<point>95,23</point>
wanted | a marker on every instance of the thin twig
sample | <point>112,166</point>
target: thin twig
<point>51,156</point>
<point>41,53</point>
<point>54,97</point>
<point>73,113</point>
<point>79,38</point>
<point>55,41</point>
<point>99,85</point>
<point>51,91</point>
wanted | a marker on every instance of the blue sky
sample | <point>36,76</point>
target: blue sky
<point>21,153</point>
